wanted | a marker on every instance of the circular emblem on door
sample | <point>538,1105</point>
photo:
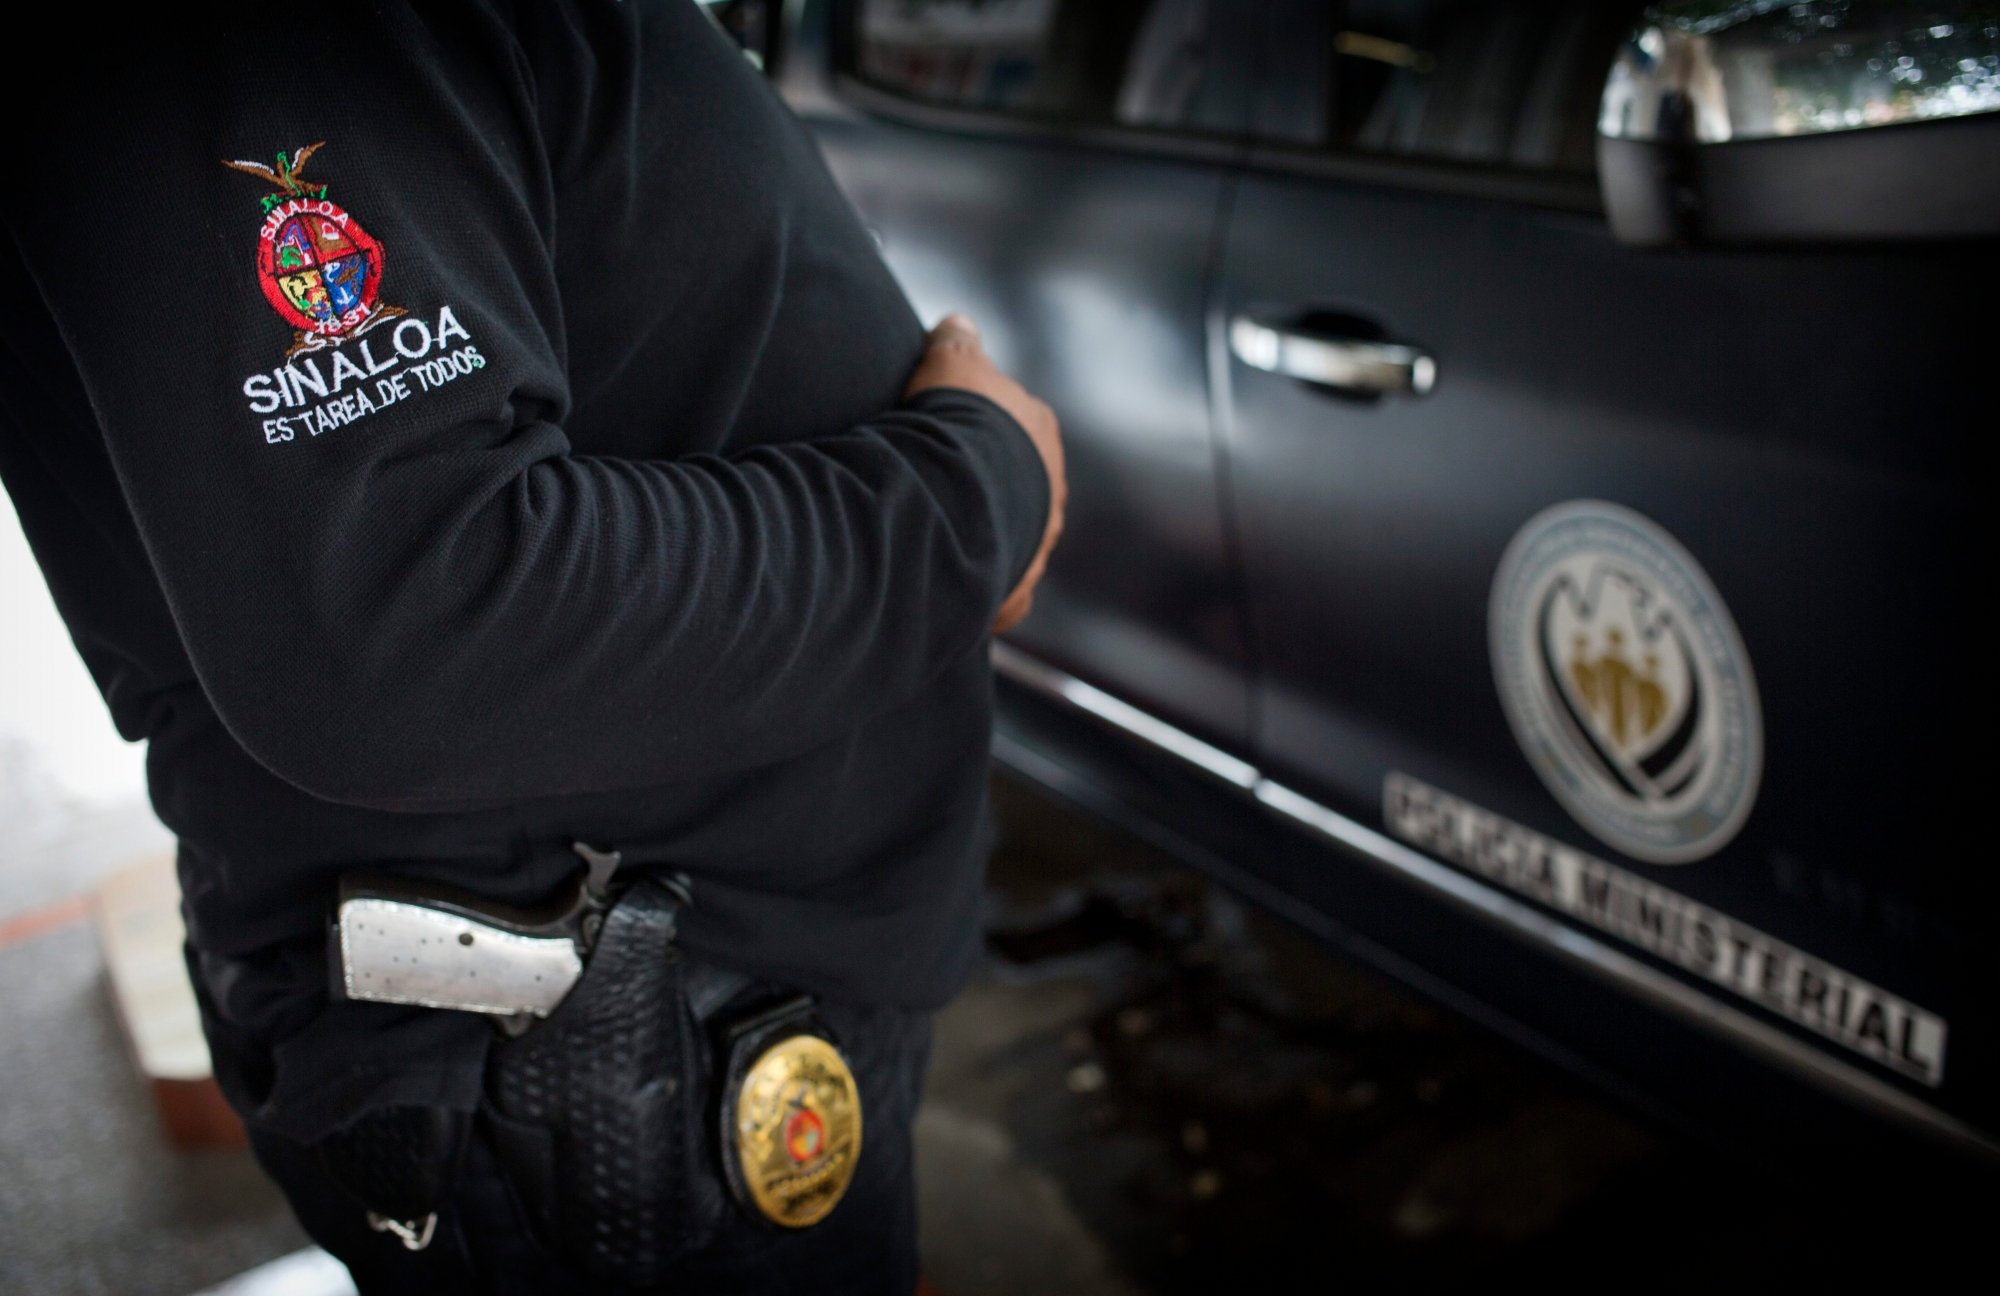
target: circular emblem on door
<point>1625,682</point>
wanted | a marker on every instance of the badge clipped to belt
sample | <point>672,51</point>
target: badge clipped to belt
<point>596,976</point>
<point>789,1120</point>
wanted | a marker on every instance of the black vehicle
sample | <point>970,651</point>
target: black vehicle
<point>1522,497</point>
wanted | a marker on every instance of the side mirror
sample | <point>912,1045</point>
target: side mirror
<point>1762,121</point>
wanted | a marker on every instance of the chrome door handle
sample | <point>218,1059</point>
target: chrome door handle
<point>1350,364</point>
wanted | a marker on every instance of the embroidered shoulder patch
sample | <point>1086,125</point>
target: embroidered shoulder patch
<point>322,274</point>
<point>319,269</point>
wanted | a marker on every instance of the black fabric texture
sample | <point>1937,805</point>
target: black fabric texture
<point>619,533</point>
<point>400,1162</point>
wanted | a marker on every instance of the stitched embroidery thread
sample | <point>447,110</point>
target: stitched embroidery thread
<point>319,269</point>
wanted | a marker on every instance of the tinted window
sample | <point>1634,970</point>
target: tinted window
<point>1142,63</point>
<point>1498,84</point>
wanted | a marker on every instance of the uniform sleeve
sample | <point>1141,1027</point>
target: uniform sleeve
<point>308,281</point>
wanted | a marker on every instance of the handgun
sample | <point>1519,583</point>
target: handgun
<point>401,941</point>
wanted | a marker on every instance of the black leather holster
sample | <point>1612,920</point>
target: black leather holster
<point>597,1112</point>
<point>606,1117</point>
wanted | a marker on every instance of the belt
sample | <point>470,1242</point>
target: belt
<point>624,1073</point>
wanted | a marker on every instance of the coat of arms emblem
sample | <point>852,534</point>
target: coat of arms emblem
<point>1626,682</point>
<point>319,269</point>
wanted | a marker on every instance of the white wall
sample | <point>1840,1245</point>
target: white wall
<point>72,792</point>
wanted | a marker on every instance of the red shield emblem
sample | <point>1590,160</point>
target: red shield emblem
<point>805,1135</point>
<point>319,269</point>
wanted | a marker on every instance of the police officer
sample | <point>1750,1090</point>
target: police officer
<point>468,439</point>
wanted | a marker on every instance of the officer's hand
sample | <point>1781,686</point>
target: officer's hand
<point>954,358</point>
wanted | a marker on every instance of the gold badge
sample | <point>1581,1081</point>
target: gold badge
<point>798,1130</point>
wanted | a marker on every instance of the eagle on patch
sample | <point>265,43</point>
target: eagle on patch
<point>318,268</point>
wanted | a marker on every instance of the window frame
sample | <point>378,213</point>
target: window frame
<point>844,19</point>
<point>1517,186</point>
<point>980,123</point>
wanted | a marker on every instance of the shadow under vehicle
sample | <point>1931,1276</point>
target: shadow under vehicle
<point>1521,487</point>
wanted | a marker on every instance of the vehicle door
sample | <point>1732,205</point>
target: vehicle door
<point>1609,577</point>
<point>1054,168</point>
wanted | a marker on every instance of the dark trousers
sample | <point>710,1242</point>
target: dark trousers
<point>483,1243</point>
